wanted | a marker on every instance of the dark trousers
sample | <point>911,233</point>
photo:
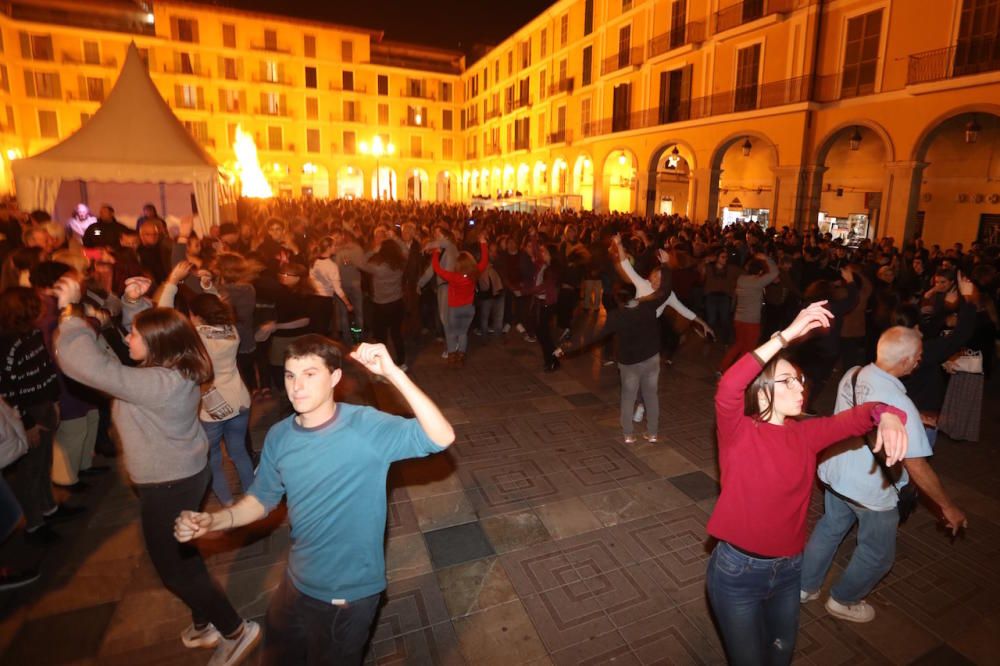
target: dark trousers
<point>543,330</point>
<point>568,298</point>
<point>32,472</point>
<point>387,321</point>
<point>245,363</point>
<point>303,630</point>
<point>180,565</point>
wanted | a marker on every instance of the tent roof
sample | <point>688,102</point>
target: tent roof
<point>134,136</point>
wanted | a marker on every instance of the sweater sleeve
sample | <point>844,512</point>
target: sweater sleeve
<point>86,361</point>
<point>729,403</point>
<point>680,308</point>
<point>762,280</point>
<point>822,432</point>
<point>445,275</point>
<point>642,286</point>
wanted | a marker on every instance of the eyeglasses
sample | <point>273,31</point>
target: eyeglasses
<point>791,381</point>
<point>289,275</point>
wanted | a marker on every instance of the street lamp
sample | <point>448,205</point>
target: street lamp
<point>377,149</point>
<point>972,130</point>
<point>747,146</point>
<point>855,140</point>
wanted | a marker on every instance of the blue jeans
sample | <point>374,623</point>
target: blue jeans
<point>457,327</point>
<point>491,314</point>
<point>756,603</point>
<point>872,558</point>
<point>719,314</point>
<point>234,431</point>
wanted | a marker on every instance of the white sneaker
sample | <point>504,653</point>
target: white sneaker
<point>477,331</point>
<point>805,597</point>
<point>520,328</point>
<point>231,652</point>
<point>860,612</point>
<point>640,411</point>
<point>444,354</point>
<point>506,328</point>
<point>206,637</point>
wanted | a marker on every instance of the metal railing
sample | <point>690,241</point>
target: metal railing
<point>338,86</point>
<point>72,59</point>
<point>418,94</point>
<point>423,124</point>
<point>491,149</point>
<point>517,103</point>
<point>559,136</point>
<point>561,86</point>
<point>689,33</point>
<point>973,56</point>
<point>491,114</point>
<point>751,10</point>
<point>628,58</point>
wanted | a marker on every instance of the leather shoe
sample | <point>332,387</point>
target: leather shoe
<point>64,513</point>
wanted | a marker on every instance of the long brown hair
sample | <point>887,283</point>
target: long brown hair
<point>172,342</point>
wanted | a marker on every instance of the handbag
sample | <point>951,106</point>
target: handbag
<point>965,361</point>
<point>908,496</point>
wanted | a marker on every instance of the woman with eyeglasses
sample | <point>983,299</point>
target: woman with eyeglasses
<point>767,460</point>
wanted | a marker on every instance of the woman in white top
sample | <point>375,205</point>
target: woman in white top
<point>325,275</point>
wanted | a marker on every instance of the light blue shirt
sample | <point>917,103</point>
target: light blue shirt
<point>334,478</point>
<point>849,467</point>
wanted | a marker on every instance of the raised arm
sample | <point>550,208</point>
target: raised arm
<point>854,422</point>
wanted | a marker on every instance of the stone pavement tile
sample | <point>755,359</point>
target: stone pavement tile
<point>661,493</point>
<point>670,637</point>
<point>566,387</point>
<point>65,637</point>
<point>249,590</point>
<point>831,641</point>
<point>596,467</point>
<point>627,594</point>
<point>443,510</point>
<point>980,641</point>
<point>538,568</point>
<point>566,615</point>
<point>144,618</point>
<point>608,648</point>
<point>400,519</point>
<point>892,633</point>
<point>410,605</point>
<point>583,399</point>
<point>499,636</point>
<point>566,518</point>
<point>424,477</point>
<point>406,556</point>
<point>551,403</point>
<point>665,461</point>
<point>618,505</point>
<point>83,587</point>
<point>457,544</point>
<point>514,530</point>
<point>696,485</point>
<point>489,440</point>
<point>944,654</point>
<point>436,645</point>
<point>475,586</point>
<point>167,653</point>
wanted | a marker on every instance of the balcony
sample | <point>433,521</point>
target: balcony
<point>471,122</point>
<point>750,10</point>
<point>682,35</point>
<point>471,154</point>
<point>518,103</point>
<point>86,97</point>
<point>270,48</point>
<point>339,87</point>
<point>72,59</point>
<point>973,56</point>
<point>188,70</point>
<point>491,150</point>
<point>562,86</point>
<point>559,136</point>
<point>522,143</point>
<point>256,78</point>
<point>628,58</point>
<point>417,94</point>
<point>272,113</point>
<point>491,114</point>
<point>348,118</point>
<point>413,124</point>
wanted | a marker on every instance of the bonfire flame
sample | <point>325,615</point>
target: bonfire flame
<point>252,179</point>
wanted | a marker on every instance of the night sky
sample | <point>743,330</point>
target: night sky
<point>452,24</point>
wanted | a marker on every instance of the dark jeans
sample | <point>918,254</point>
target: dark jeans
<point>543,329</point>
<point>180,565</point>
<point>245,363</point>
<point>387,321</point>
<point>568,298</point>
<point>303,630</point>
<point>756,603</point>
<point>32,472</point>
<point>719,314</point>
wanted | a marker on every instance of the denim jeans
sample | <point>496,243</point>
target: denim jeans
<point>457,327</point>
<point>872,558</point>
<point>645,377</point>
<point>302,630</point>
<point>491,314</point>
<point>756,604</point>
<point>719,314</point>
<point>234,431</point>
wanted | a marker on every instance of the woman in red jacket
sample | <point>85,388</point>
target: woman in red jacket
<point>768,462</point>
<point>461,294</point>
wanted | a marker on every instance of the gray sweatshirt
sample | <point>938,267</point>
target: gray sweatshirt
<point>387,283</point>
<point>155,409</point>
<point>750,294</point>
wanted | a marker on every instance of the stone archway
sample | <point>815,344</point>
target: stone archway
<point>619,179</point>
<point>671,187</point>
<point>350,183</point>
<point>743,183</point>
<point>583,180</point>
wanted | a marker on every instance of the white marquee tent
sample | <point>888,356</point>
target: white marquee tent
<point>133,150</point>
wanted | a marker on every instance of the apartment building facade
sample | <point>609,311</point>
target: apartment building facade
<point>867,117</point>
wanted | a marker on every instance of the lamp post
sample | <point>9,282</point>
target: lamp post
<point>377,149</point>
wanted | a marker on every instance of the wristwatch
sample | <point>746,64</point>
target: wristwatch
<point>781,339</point>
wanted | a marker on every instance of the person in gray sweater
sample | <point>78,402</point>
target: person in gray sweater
<point>155,411</point>
<point>760,272</point>
<point>386,268</point>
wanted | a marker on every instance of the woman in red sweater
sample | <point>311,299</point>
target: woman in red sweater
<point>461,294</point>
<point>768,462</point>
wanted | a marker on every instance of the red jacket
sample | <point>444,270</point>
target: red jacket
<point>461,287</point>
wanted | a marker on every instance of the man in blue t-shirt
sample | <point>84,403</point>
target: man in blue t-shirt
<point>330,461</point>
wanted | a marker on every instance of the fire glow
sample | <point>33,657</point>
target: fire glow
<point>252,181</point>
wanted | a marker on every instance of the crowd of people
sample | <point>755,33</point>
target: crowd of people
<point>157,341</point>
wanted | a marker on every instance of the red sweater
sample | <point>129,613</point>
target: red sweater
<point>768,470</point>
<point>461,287</point>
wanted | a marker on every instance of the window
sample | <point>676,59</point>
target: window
<point>446,119</point>
<point>447,149</point>
<point>144,56</point>
<point>271,40</point>
<point>48,125</point>
<point>10,119</point>
<point>185,30</point>
<point>4,81</point>
<point>1,41</point>
<point>675,95</point>
<point>562,72</point>
<point>229,35</point>
<point>496,71</point>
<point>624,46</point>
<point>585,116</point>
<point>543,43</point>
<point>416,88</point>
<point>350,115</point>
<point>270,71</point>
<point>541,85</point>
<point>270,103</point>
<point>524,92</point>
<point>42,84</point>
<point>564,30</point>
<point>347,80</point>
<point>383,114</point>
<point>91,53</point>
<point>36,47</point>
<point>588,17</point>
<point>231,132</point>
<point>310,77</point>
<point>510,62</point>
<point>416,147</point>
<point>861,54</point>
<point>198,129</point>
<point>525,54</point>
<point>383,85</point>
<point>541,130</point>
<point>347,51</point>
<point>95,89</point>
<point>312,108</point>
<point>186,96</point>
<point>978,47</point>
<point>747,75</point>
<point>588,65</point>
<point>185,64</point>
<point>446,92</point>
<point>626,5</point>
<point>229,69</point>
<point>678,18</point>
<point>309,46</point>
<point>350,143</point>
<point>312,140</point>
<point>621,108</point>
<point>84,117</point>
<point>229,101</point>
<point>522,134</point>
<point>274,138</point>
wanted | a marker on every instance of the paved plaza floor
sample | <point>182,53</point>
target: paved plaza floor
<point>538,538</point>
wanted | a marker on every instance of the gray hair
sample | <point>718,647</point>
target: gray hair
<point>897,344</point>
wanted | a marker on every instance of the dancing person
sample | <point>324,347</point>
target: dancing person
<point>329,460</point>
<point>166,451</point>
<point>760,272</point>
<point>461,293</point>
<point>767,460</point>
<point>386,266</point>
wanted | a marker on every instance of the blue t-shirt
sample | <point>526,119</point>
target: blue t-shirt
<point>334,477</point>
<point>849,467</point>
